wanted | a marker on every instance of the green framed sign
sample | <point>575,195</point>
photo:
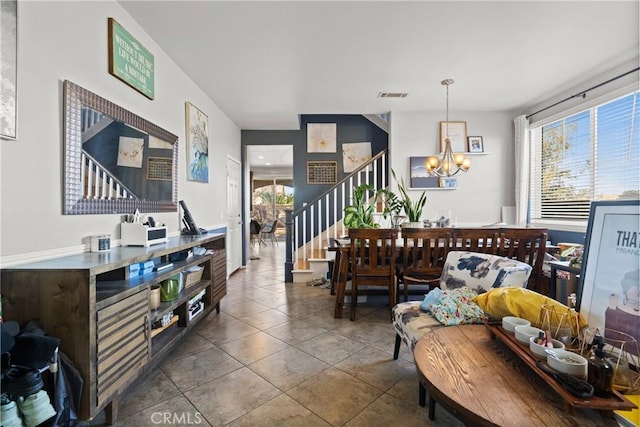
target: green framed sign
<point>129,61</point>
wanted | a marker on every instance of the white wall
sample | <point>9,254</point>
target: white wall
<point>487,186</point>
<point>68,40</point>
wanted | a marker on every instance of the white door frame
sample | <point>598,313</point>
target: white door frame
<point>234,215</point>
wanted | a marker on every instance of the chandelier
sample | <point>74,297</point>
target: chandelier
<point>450,163</point>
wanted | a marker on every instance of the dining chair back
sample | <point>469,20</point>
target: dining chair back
<point>373,262</point>
<point>481,240</point>
<point>529,246</point>
<point>424,253</point>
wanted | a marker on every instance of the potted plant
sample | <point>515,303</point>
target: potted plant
<point>392,206</point>
<point>360,214</point>
<point>413,210</point>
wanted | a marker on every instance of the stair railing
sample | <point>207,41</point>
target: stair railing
<point>310,228</point>
<point>99,183</point>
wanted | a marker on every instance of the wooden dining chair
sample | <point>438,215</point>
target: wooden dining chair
<point>529,246</point>
<point>373,263</point>
<point>424,253</point>
<point>482,240</point>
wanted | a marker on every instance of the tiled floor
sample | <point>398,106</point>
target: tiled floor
<point>275,356</point>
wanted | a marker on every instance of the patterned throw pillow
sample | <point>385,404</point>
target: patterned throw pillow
<point>481,272</point>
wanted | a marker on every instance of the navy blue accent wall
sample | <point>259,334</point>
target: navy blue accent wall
<point>350,128</point>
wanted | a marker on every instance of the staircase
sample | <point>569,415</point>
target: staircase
<point>99,183</point>
<point>311,228</point>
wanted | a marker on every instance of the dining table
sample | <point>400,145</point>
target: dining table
<point>341,247</point>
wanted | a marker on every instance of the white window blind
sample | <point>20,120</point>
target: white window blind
<point>590,155</point>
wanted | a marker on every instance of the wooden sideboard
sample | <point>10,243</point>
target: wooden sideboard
<point>100,309</point>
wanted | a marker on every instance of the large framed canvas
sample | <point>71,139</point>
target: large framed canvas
<point>354,155</point>
<point>321,137</point>
<point>197,124</point>
<point>610,296</point>
<point>8,69</point>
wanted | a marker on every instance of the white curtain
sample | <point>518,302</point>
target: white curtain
<point>522,160</point>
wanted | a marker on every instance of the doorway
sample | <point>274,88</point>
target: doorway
<point>271,189</point>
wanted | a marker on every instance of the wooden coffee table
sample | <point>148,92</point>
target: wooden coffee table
<point>482,382</point>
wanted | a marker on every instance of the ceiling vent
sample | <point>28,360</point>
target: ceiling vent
<point>392,94</point>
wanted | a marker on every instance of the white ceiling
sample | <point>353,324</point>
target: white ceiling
<point>264,62</point>
<point>270,161</point>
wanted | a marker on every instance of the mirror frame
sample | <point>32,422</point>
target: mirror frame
<point>76,97</point>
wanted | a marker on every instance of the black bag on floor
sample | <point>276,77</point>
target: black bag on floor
<point>67,393</point>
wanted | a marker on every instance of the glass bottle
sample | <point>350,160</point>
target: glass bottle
<point>600,369</point>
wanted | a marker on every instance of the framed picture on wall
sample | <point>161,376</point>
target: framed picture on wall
<point>457,132</point>
<point>355,154</point>
<point>475,144</point>
<point>418,175</point>
<point>197,130</point>
<point>321,137</point>
<point>8,71</point>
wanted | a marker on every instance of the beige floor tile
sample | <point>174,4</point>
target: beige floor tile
<point>326,320</point>
<point>266,319</point>
<point>241,310</point>
<point>330,347</point>
<point>300,310</point>
<point>190,344</point>
<point>231,396</point>
<point>295,331</point>
<point>254,347</point>
<point>277,287</point>
<point>156,387</point>
<point>274,300</point>
<point>199,368</point>
<point>288,368</point>
<point>334,395</point>
<point>376,368</point>
<point>280,412</point>
<point>229,330</point>
<point>407,388</point>
<point>389,411</point>
<point>366,333</point>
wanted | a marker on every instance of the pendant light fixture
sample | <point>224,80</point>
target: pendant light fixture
<point>450,163</point>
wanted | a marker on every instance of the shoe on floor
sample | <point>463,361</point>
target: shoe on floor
<point>36,408</point>
<point>9,416</point>
<point>19,381</point>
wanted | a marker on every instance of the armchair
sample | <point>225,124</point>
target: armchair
<point>477,271</point>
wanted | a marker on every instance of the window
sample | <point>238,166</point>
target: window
<point>591,155</point>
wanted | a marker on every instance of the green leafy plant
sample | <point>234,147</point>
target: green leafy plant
<point>413,210</point>
<point>392,204</point>
<point>360,214</point>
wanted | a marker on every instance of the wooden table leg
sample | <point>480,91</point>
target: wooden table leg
<point>341,284</point>
<point>335,272</point>
<point>422,394</point>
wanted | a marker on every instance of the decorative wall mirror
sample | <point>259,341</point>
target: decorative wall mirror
<point>115,161</point>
